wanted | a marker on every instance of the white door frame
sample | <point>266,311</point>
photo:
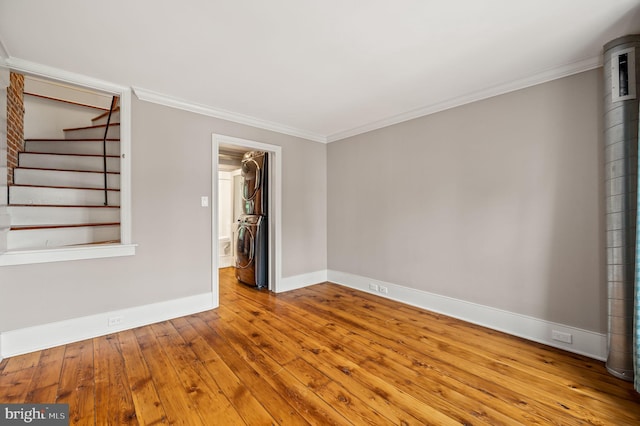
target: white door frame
<point>275,209</point>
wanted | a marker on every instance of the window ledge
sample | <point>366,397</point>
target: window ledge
<point>23,257</point>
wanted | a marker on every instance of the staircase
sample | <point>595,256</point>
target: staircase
<point>58,195</point>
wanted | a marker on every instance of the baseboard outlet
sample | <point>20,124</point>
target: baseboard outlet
<point>300,281</point>
<point>22,341</point>
<point>583,342</point>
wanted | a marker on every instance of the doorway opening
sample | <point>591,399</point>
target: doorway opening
<point>222,147</point>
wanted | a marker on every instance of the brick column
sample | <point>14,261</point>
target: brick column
<point>15,122</point>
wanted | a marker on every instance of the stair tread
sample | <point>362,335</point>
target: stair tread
<point>97,243</point>
<point>71,140</point>
<point>106,113</point>
<point>95,126</point>
<point>65,170</point>
<point>62,187</point>
<point>70,155</point>
<point>93,206</point>
<point>51,98</point>
<point>56,226</point>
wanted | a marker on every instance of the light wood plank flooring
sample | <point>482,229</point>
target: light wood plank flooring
<point>320,355</point>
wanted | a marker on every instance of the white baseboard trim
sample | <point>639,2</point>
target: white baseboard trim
<point>585,342</point>
<point>225,262</point>
<point>300,281</point>
<point>22,341</point>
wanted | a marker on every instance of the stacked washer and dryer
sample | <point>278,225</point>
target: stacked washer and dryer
<point>252,234</point>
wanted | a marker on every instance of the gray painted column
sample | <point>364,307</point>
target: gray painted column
<point>621,57</point>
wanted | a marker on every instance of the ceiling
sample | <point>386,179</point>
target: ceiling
<point>323,70</point>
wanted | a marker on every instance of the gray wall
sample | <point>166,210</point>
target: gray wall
<point>171,169</point>
<point>498,202</point>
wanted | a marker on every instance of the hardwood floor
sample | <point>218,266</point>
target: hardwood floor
<point>322,355</point>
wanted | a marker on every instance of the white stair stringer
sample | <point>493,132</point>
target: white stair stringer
<point>80,146</point>
<point>43,237</point>
<point>74,179</point>
<point>42,195</point>
<point>93,132</point>
<point>68,162</point>
<point>30,215</point>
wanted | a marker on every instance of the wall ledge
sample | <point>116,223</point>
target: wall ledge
<point>25,257</point>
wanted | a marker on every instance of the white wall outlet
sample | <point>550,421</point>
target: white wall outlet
<point>204,201</point>
<point>373,287</point>
<point>114,321</point>
<point>383,289</point>
<point>561,336</point>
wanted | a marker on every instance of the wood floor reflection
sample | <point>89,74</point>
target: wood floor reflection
<point>321,355</point>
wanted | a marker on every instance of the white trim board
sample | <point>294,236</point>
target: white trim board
<point>22,341</point>
<point>162,99</point>
<point>304,280</point>
<point>585,342</point>
<point>60,254</point>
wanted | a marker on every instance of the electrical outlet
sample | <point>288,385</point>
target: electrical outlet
<point>383,289</point>
<point>114,321</point>
<point>561,337</point>
<point>373,287</point>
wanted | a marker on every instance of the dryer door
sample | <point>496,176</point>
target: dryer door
<point>251,173</point>
<point>253,183</point>
<point>245,246</point>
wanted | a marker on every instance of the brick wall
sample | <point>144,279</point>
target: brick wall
<point>15,122</point>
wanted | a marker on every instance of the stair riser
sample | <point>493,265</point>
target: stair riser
<point>56,237</point>
<point>61,196</point>
<point>67,162</point>
<point>65,178</point>
<point>115,118</point>
<point>30,215</point>
<point>62,147</point>
<point>97,133</point>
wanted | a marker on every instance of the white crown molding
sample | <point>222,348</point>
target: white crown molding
<point>161,99</point>
<point>543,77</point>
<point>47,72</point>
<point>585,342</point>
<point>32,68</point>
<point>25,340</point>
